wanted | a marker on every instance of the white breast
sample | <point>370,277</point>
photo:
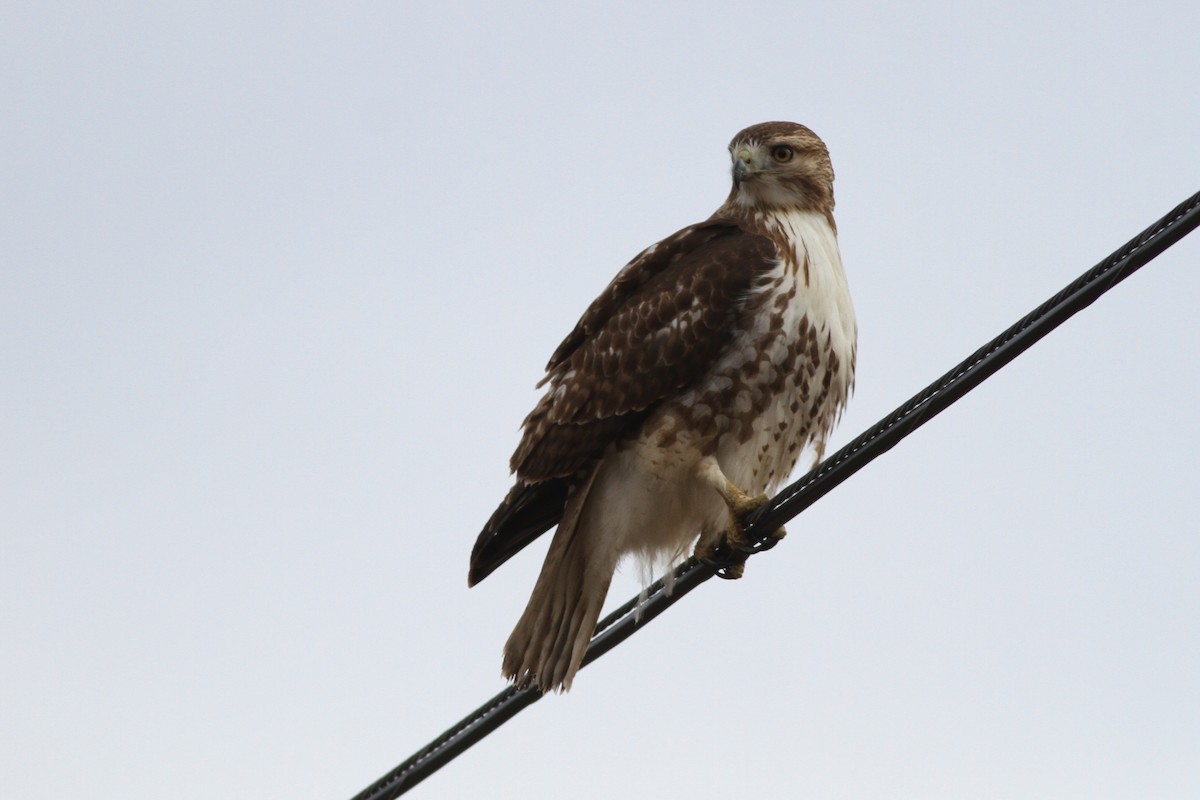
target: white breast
<point>773,395</point>
<point>799,353</point>
<point>825,297</point>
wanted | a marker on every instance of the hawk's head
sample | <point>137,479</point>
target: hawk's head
<point>780,166</point>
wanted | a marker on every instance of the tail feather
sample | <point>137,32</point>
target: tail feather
<point>549,642</point>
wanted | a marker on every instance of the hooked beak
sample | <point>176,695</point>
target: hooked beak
<point>742,167</point>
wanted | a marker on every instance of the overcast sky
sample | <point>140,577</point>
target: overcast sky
<point>278,281</point>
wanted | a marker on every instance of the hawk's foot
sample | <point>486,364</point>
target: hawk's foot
<point>742,505</point>
<point>730,550</point>
<point>730,563</point>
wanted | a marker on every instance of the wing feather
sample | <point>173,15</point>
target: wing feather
<point>655,330</point>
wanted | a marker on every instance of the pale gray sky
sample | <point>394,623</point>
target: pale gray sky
<point>278,281</point>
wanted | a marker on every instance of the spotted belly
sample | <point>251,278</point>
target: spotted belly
<point>762,409</point>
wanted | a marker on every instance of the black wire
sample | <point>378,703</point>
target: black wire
<point>883,436</point>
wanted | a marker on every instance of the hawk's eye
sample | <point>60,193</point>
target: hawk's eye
<point>782,153</point>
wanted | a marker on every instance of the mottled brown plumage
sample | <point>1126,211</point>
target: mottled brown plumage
<point>696,379</point>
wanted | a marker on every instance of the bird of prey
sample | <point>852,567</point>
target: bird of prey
<point>689,387</point>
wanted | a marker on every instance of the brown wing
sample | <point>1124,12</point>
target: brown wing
<point>529,510</point>
<point>654,331</point>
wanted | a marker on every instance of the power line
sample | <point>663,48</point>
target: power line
<point>877,440</point>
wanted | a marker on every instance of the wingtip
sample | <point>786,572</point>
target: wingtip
<point>481,564</point>
<point>527,512</point>
<point>474,573</point>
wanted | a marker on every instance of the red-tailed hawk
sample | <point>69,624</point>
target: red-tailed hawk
<point>689,387</point>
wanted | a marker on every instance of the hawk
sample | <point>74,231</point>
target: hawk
<point>689,387</point>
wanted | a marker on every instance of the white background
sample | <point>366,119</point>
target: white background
<point>277,282</point>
